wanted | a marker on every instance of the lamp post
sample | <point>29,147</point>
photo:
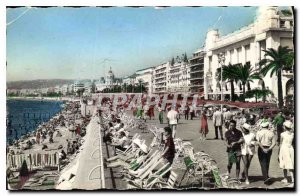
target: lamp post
<point>221,60</point>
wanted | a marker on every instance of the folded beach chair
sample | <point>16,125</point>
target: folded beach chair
<point>161,183</point>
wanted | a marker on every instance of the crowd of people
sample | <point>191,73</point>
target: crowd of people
<point>262,133</point>
<point>48,136</point>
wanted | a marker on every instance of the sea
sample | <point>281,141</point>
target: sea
<point>24,116</point>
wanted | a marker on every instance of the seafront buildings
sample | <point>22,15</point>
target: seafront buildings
<point>270,30</point>
<point>197,75</point>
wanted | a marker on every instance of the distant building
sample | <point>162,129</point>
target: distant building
<point>197,72</point>
<point>78,86</point>
<point>145,76</point>
<point>160,75</point>
<point>108,82</point>
<point>178,79</point>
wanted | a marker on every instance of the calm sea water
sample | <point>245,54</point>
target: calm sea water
<point>24,116</point>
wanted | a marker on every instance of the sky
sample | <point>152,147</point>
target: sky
<point>83,43</point>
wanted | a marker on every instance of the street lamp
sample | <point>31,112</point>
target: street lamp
<point>221,60</point>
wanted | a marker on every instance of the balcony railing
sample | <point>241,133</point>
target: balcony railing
<point>196,78</point>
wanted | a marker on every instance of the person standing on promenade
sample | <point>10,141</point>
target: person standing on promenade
<point>160,114</point>
<point>38,137</point>
<point>278,123</point>
<point>186,112</point>
<point>248,150</point>
<point>228,116</point>
<point>233,141</point>
<point>169,149</point>
<point>192,112</point>
<point>204,126</point>
<point>218,122</point>
<point>286,152</point>
<point>151,112</point>
<point>266,141</point>
<point>173,120</point>
<point>146,111</point>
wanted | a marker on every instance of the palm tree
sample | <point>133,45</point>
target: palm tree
<point>228,74</point>
<point>245,74</point>
<point>140,85</point>
<point>124,87</point>
<point>276,61</point>
<point>258,93</point>
<point>259,76</point>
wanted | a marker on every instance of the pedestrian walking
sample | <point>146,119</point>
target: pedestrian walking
<point>248,150</point>
<point>146,112</point>
<point>286,152</point>
<point>204,126</point>
<point>218,122</point>
<point>192,112</point>
<point>186,112</point>
<point>266,141</point>
<point>278,123</point>
<point>160,114</point>
<point>151,112</point>
<point>233,141</point>
<point>169,149</point>
<point>228,116</point>
<point>38,137</point>
<point>173,120</point>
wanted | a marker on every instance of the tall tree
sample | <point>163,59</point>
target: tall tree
<point>259,76</point>
<point>244,74</point>
<point>258,93</point>
<point>276,61</point>
<point>228,74</point>
<point>172,61</point>
<point>185,59</point>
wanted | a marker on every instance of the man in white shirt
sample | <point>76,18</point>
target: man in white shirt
<point>266,141</point>
<point>173,120</point>
<point>218,122</point>
<point>228,116</point>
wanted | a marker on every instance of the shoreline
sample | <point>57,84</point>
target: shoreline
<point>58,144</point>
<point>40,98</point>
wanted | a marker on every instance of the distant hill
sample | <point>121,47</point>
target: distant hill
<point>35,84</point>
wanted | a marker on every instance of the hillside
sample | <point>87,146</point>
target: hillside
<point>34,84</point>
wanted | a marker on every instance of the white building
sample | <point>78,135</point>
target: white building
<point>146,77</point>
<point>57,89</point>
<point>178,77</point>
<point>129,79</point>
<point>160,76</point>
<point>64,89</point>
<point>270,30</point>
<point>88,87</point>
<point>108,82</point>
<point>78,86</point>
<point>197,72</point>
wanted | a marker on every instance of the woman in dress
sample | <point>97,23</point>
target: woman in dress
<point>204,126</point>
<point>248,150</point>
<point>286,152</point>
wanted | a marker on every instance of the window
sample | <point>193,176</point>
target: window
<point>282,24</point>
<point>291,24</point>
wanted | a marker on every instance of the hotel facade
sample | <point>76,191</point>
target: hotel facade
<point>270,30</point>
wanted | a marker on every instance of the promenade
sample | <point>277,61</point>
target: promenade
<point>188,131</point>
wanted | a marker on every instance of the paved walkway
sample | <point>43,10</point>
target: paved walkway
<point>188,130</point>
<point>87,162</point>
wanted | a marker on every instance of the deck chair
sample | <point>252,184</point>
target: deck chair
<point>157,176</point>
<point>161,183</point>
<point>151,162</point>
<point>139,181</point>
<point>222,180</point>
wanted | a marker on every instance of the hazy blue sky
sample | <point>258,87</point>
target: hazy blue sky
<point>73,43</point>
